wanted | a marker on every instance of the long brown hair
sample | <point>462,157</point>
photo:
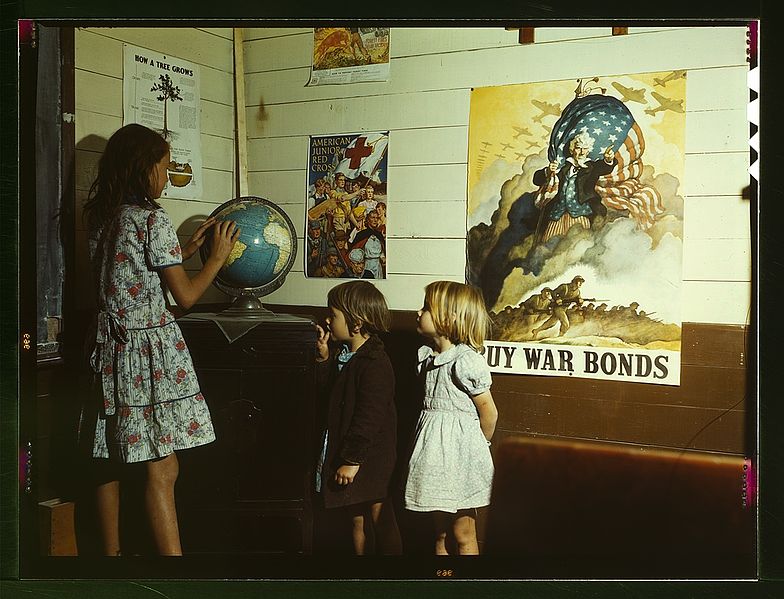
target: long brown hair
<point>124,173</point>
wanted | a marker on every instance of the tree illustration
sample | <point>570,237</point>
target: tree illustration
<point>167,92</point>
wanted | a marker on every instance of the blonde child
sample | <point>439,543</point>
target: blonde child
<point>151,405</point>
<point>451,470</point>
<point>359,441</point>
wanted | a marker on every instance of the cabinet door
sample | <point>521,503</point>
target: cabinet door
<point>249,491</point>
<point>270,430</point>
<point>264,443</point>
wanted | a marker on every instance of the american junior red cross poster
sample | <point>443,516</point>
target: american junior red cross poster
<point>575,225</point>
<point>347,206</point>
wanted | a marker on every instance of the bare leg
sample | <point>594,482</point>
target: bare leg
<point>443,523</point>
<point>464,531</point>
<point>107,499</point>
<point>387,533</point>
<point>362,533</point>
<point>159,500</point>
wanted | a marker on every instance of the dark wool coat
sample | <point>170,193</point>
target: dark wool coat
<point>362,423</point>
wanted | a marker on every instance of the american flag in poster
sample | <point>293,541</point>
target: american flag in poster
<point>610,123</point>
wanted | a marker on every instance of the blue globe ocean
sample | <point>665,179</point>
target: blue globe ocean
<point>264,252</point>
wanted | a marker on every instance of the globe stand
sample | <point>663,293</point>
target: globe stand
<point>247,306</point>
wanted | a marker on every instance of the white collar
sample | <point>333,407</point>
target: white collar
<point>450,354</point>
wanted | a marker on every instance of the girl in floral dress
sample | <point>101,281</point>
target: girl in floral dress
<point>450,471</point>
<point>151,403</point>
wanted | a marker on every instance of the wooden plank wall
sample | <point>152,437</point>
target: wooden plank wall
<point>425,105</point>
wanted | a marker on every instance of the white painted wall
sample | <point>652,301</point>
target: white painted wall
<point>425,105</point>
<point>99,110</point>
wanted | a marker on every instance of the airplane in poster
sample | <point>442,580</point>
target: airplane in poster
<point>629,94</point>
<point>532,144</point>
<point>546,108</point>
<point>665,103</point>
<point>486,144</point>
<point>672,76</point>
<point>520,131</point>
<point>506,146</point>
<point>519,155</point>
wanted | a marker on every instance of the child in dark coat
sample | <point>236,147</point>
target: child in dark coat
<point>359,444</point>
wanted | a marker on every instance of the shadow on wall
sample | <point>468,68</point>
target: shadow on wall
<point>68,461</point>
<point>184,232</point>
<point>77,278</point>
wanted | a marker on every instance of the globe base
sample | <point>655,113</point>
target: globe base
<point>247,306</point>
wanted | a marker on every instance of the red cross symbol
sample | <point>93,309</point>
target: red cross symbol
<point>358,152</point>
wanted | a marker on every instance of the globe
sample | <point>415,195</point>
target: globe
<point>262,256</point>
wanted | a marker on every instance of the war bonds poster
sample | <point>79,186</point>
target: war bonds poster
<point>349,55</point>
<point>346,206</point>
<point>163,93</point>
<point>575,225</point>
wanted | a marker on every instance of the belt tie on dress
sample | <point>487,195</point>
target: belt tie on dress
<point>110,331</point>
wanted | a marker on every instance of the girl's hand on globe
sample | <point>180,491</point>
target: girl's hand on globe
<point>224,235</point>
<point>322,344</point>
<point>197,239</point>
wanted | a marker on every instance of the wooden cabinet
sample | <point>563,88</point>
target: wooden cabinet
<point>250,490</point>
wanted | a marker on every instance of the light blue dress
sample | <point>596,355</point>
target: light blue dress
<point>450,466</point>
